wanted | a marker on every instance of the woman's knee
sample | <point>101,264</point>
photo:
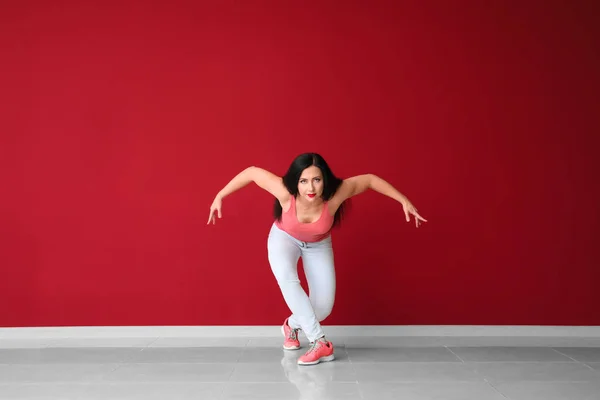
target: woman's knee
<point>323,312</point>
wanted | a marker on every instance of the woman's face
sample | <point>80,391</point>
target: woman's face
<point>310,184</point>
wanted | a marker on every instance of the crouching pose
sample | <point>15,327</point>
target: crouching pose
<point>309,202</point>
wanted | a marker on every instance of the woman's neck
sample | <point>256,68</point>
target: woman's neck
<point>313,205</point>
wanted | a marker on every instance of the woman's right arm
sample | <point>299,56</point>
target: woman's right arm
<point>263,178</point>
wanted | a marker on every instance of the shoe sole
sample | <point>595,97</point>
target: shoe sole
<point>288,348</point>
<point>322,359</point>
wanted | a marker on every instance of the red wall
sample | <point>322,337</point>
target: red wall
<point>119,124</point>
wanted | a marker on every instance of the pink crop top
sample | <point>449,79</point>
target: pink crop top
<point>306,232</point>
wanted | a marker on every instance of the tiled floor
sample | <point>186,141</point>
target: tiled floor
<point>378,368</point>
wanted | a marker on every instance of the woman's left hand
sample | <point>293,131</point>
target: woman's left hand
<point>410,209</point>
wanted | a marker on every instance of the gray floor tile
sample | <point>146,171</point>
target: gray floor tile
<point>535,371</point>
<point>155,391</point>
<point>490,368</point>
<point>401,354</point>
<point>307,390</point>
<point>594,365</point>
<point>495,354</point>
<point>54,373</point>
<point>171,372</point>
<point>258,372</point>
<point>550,390</point>
<point>387,342</point>
<point>289,371</point>
<point>430,391</point>
<point>188,355</point>
<point>416,372</point>
<point>582,354</point>
<point>44,391</point>
<point>319,374</point>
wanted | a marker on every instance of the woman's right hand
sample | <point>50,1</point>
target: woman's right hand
<point>215,206</point>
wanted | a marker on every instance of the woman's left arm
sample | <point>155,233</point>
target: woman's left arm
<point>381,186</point>
<point>360,183</point>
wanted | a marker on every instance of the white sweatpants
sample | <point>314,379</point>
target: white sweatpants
<point>317,258</point>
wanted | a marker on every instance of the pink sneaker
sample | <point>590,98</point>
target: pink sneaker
<point>291,341</point>
<point>320,350</point>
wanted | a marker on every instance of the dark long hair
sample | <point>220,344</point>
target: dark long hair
<point>331,183</point>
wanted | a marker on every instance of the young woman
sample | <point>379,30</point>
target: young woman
<point>309,202</point>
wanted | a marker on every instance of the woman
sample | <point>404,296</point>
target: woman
<point>309,202</point>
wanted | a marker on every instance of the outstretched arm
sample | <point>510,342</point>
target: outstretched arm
<point>360,183</point>
<point>239,181</point>
<point>381,186</point>
<point>263,178</point>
